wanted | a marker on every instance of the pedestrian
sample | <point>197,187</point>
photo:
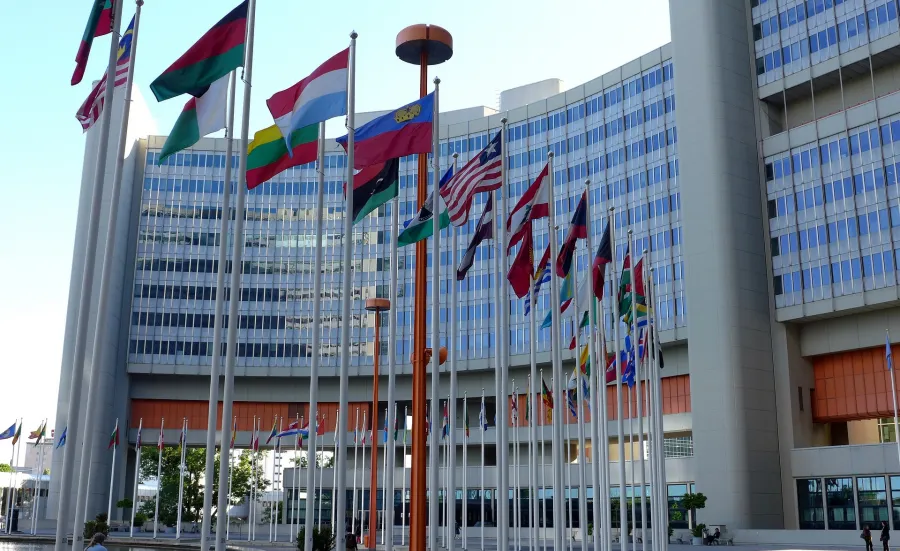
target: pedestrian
<point>867,537</point>
<point>96,543</point>
<point>885,534</point>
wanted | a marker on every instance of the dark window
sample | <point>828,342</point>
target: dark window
<point>809,504</point>
<point>872,496</point>
<point>841,509</point>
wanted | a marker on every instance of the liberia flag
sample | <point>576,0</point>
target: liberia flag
<point>481,173</point>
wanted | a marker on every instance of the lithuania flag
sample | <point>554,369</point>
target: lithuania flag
<point>267,154</point>
<point>218,52</point>
<point>374,186</point>
<point>99,24</point>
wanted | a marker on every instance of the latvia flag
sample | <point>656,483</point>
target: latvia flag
<point>217,53</point>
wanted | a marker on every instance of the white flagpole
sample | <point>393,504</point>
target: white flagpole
<point>517,509</point>
<point>137,475</point>
<point>230,478</point>
<point>598,409</point>
<point>237,252</point>
<point>639,364</point>
<point>316,337</point>
<point>9,490</point>
<point>465,468</point>
<point>346,294</point>
<point>362,482</point>
<point>482,421</point>
<point>403,470</point>
<point>40,481</point>
<point>568,487</point>
<point>631,428</point>
<point>112,473</point>
<point>181,445</point>
<point>579,391</point>
<point>278,481</point>
<point>159,449</point>
<point>629,395</point>
<point>454,389</point>
<point>391,451</point>
<point>542,472</point>
<point>355,465</point>
<point>251,504</point>
<point>662,504</point>
<point>502,338</point>
<point>18,448</point>
<point>384,487</point>
<point>620,424</point>
<point>603,519</point>
<point>444,461</point>
<point>532,398</point>
<point>334,519</point>
<point>215,369</point>
<point>433,473</point>
<point>322,477</point>
<point>76,399</point>
<point>297,457</point>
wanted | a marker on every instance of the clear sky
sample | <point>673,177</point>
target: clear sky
<point>498,44</point>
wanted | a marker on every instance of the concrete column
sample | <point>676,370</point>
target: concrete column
<point>729,330</point>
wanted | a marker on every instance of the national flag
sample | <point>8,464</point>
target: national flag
<point>528,400</point>
<point>466,417</point>
<point>482,173</point>
<point>233,432</point>
<point>62,438</point>
<point>401,132</point>
<point>18,434</point>
<point>90,110</point>
<point>542,275</point>
<point>601,259</point>
<point>217,53</point>
<point>200,117</point>
<point>521,272</point>
<point>99,23</point>
<point>114,438</point>
<point>611,365</point>
<point>397,426</point>
<point>422,227</point>
<point>482,416</point>
<point>320,427</point>
<point>274,432</point>
<point>534,204</point>
<point>139,442</point>
<point>585,319</point>
<point>182,438</point>
<point>584,360</point>
<point>629,292</point>
<point>39,433</point>
<point>161,440</point>
<point>374,186</point>
<point>888,356</point>
<point>547,398</point>
<point>445,425</point>
<point>268,156</point>
<point>256,443</point>
<point>586,392</point>
<point>385,438</point>
<point>577,230</point>
<point>566,294</point>
<point>484,230</point>
<point>572,397</point>
<point>514,407</point>
<point>320,96</point>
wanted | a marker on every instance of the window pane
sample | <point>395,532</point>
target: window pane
<point>841,510</point>
<point>809,504</point>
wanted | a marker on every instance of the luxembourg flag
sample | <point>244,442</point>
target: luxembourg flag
<point>319,97</point>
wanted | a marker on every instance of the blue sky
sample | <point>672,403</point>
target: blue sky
<point>42,147</point>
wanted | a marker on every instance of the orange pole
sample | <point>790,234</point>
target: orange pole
<point>417,486</point>
<point>373,481</point>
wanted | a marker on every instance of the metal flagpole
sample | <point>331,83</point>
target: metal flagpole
<point>181,445</point>
<point>605,516</point>
<point>532,398</point>
<point>568,487</point>
<point>137,476</point>
<point>517,509</point>
<point>630,394</point>
<point>445,486</point>
<point>321,477</point>
<point>598,409</point>
<point>278,481</point>
<point>403,470</point>
<point>384,487</point>
<point>230,476</point>
<point>454,389</point>
<point>214,371</point>
<point>390,451</point>
<point>658,435</point>
<point>347,297</point>
<point>112,472</point>
<point>334,524</point>
<point>237,251</point>
<point>502,338</point>
<point>355,465</point>
<point>159,452</point>
<point>543,477</point>
<point>316,338</point>
<point>465,467</point>
<point>579,390</point>
<point>634,348</point>
<point>639,364</point>
<point>35,502</point>
<point>13,475</point>
<point>251,505</point>
<point>482,423</point>
<point>84,305</point>
<point>620,425</point>
<point>433,475</point>
<point>362,482</point>
<point>297,458</point>
<point>9,490</point>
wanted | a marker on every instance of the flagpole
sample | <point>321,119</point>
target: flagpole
<point>579,390</point>
<point>384,487</point>
<point>567,488</point>
<point>181,478</point>
<point>390,451</point>
<point>159,449</point>
<point>633,390</point>
<point>112,472</point>
<point>657,454</point>
<point>237,252</point>
<point>215,368</point>
<point>532,446</point>
<point>98,356</point>
<point>230,476</point>
<point>14,475</point>
<point>251,505</point>
<point>322,476</point>
<point>362,481</point>
<point>334,524</point>
<point>502,338</point>
<point>542,472</point>
<point>532,464</point>
<point>37,499</point>
<point>605,517</point>
<point>433,513</point>
<point>465,467</point>
<point>620,425</point>
<point>278,480</point>
<point>9,490</point>
<point>403,469</point>
<point>640,413</point>
<point>297,458</point>
<point>598,411</point>
<point>452,347</point>
<point>517,509</point>
<point>355,465</point>
<point>482,428</point>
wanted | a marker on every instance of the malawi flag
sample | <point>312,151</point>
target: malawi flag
<point>99,24</point>
<point>114,438</point>
<point>267,154</point>
<point>217,53</point>
<point>374,186</point>
<point>200,117</point>
<point>578,230</point>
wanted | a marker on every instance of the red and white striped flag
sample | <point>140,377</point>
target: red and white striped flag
<point>92,107</point>
<point>481,173</point>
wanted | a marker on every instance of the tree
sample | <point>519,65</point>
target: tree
<point>194,474</point>
<point>5,468</point>
<point>692,502</point>
<point>323,461</point>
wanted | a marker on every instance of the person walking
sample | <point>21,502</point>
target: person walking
<point>96,543</point>
<point>885,534</point>
<point>867,537</point>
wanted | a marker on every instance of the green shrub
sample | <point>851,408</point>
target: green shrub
<point>140,519</point>
<point>697,531</point>
<point>98,525</point>
<point>322,540</point>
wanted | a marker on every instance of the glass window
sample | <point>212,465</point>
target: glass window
<point>841,509</point>
<point>872,498</point>
<point>678,517</point>
<point>809,504</point>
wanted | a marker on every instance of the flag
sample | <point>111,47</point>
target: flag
<point>256,443</point>
<point>401,132</point>
<point>320,427</point>
<point>571,396</point>
<point>534,204</point>
<point>183,436</point>
<point>482,416</point>
<point>547,398</point>
<point>578,230</point>
<point>445,425</point>
<point>320,96</point>
<point>216,54</point>
<point>541,276</point>
<point>274,432</point>
<point>514,407</point>
<point>374,186</point>
<point>114,438</point>
<point>62,438</point>
<point>601,259</point>
<point>39,433</point>
<point>268,156</point>
<point>18,434</point>
<point>233,432</point>
<point>586,392</point>
<point>629,292</point>
<point>385,438</point>
<point>584,360</point>
<point>466,417</point>
<point>585,319</point>
<point>521,272</point>
<point>421,227</point>
<point>481,173</point>
<point>565,299</point>
<point>888,356</point>
<point>139,443</point>
<point>397,426</point>
<point>90,110</point>
<point>200,117</point>
<point>484,230</point>
<point>99,23</point>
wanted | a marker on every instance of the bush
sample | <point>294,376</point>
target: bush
<point>590,528</point>
<point>98,525</point>
<point>140,519</point>
<point>322,540</point>
<point>697,531</point>
<point>124,504</point>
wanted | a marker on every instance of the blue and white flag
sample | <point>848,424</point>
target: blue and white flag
<point>9,433</point>
<point>62,438</point>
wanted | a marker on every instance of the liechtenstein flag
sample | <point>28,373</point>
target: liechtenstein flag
<point>401,132</point>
